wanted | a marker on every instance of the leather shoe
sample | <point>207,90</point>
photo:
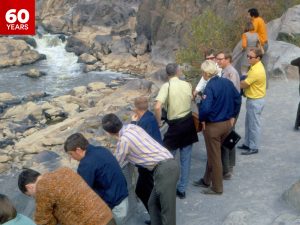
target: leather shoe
<point>180,195</point>
<point>244,147</point>
<point>250,152</point>
<point>227,176</point>
<point>210,191</point>
<point>148,222</point>
<point>200,183</point>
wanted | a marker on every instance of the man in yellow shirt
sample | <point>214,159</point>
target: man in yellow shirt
<point>255,90</point>
<point>259,27</point>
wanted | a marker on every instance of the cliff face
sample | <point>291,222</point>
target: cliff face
<point>70,16</point>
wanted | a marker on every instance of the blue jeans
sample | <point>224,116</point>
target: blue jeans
<point>185,165</point>
<point>254,109</point>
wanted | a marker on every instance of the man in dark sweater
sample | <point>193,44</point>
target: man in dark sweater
<point>296,62</point>
<point>101,171</point>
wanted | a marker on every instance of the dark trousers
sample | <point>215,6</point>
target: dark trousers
<point>297,122</point>
<point>162,202</point>
<point>214,135</point>
<point>144,185</point>
<point>228,159</point>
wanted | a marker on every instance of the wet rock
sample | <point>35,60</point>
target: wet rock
<point>96,86</point>
<point>16,53</point>
<point>29,40</point>
<point>36,96</point>
<point>5,97</point>
<point>55,115</point>
<point>78,91</point>
<point>6,142</point>
<point>87,59</point>
<point>62,37</point>
<point>98,66</point>
<point>77,46</point>
<point>34,73</point>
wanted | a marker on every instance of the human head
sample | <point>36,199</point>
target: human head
<point>7,209</point>
<point>249,27</point>
<point>172,69</point>
<point>254,56</point>
<point>253,12</point>
<point>111,124</point>
<point>141,103</point>
<point>27,181</point>
<point>224,59</point>
<point>209,54</point>
<point>209,68</point>
<point>76,145</point>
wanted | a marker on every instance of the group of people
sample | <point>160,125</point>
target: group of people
<point>97,194</point>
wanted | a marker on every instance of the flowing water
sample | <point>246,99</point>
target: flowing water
<point>63,72</point>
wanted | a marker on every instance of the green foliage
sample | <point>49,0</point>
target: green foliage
<point>208,31</point>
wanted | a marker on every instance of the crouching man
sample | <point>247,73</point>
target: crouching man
<point>62,197</point>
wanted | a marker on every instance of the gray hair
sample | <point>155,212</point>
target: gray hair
<point>209,67</point>
<point>171,69</point>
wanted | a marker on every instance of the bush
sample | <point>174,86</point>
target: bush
<point>208,31</point>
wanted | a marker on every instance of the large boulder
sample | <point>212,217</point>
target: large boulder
<point>16,53</point>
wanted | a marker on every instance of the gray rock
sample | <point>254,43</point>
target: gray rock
<point>291,196</point>
<point>237,218</point>
<point>34,73</point>
<point>138,84</point>
<point>87,59</point>
<point>77,46</point>
<point>121,46</point>
<point>55,115</point>
<point>142,45</point>
<point>287,219</point>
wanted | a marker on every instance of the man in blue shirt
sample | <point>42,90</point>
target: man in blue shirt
<point>219,106</point>
<point>101,171</point>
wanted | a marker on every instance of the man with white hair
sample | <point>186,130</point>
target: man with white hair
<point>219,107</point>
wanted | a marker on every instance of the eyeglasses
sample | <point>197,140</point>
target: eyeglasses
<point>219,59</point>
<point>210,58</point>
<point>251,57</point>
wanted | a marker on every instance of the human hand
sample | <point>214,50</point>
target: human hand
<point>134,117</point>
<point>203,125</point>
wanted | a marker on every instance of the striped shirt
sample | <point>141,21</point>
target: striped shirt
<point>137,147</point>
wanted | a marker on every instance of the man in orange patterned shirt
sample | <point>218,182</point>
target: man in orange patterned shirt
<point>62,197</point>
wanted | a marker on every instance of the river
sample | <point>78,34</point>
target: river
<point>63,72</point>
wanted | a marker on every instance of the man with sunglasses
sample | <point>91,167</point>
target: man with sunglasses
<point>255,90</point>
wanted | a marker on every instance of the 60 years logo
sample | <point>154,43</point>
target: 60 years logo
<point>17,17</point>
